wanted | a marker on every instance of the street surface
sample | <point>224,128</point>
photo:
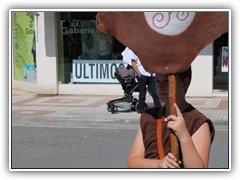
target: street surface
<point>98,146</point>
<point>76,132</point>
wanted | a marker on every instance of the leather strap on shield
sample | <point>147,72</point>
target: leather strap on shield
<point>159,139</point>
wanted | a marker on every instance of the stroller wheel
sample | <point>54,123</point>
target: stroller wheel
<point>114,109</point>
<point>109,109</point>
<point>136,106</point>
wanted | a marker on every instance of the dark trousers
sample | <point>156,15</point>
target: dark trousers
<point>143,83</point>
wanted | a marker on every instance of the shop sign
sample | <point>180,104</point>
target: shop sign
<point>95,71</point>
<point>224,63</point>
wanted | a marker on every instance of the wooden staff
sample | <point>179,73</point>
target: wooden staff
<point>172,99</point>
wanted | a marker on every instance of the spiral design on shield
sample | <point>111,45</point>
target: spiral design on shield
<point>169,23</point>
<point>182,16</point>
<point>161,19</point>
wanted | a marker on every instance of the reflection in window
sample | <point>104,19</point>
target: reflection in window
<point>80,39</point>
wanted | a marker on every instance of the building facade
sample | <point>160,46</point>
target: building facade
<point>64,53</point>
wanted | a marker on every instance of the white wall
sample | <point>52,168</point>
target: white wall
<point>46,54</point>
<point>202,74</point>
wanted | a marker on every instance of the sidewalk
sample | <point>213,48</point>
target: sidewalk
<point>78,110</point>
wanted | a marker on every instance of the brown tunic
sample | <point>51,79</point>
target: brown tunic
<point>193,119</point>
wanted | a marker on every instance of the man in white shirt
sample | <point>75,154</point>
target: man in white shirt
<point>145,79</point>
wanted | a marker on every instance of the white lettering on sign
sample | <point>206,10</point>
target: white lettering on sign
<point>169,23</point>
<point>95,71</point>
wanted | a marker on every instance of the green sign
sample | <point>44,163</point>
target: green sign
<point>23,43</point>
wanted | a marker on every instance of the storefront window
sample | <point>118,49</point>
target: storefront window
<point>24,51</point>
<point>220,78</point>
<point>86,55</point>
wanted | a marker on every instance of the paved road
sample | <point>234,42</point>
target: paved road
<point>88,147</point>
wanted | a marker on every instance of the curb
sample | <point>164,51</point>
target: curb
<point>83,123</point>
<point>74,122</point>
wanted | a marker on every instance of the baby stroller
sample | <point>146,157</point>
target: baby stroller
<point>126,77</point>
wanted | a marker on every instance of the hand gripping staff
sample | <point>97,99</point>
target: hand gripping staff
<point>166,42</point>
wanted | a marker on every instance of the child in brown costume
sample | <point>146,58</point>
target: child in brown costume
<point>195,132</point>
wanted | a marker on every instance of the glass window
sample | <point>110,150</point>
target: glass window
<point>86,55</point>
<point>24,49</point>
<point>220,67</point>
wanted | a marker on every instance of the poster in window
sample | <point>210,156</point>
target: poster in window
<point>23,44</point>
<point>225,62</point>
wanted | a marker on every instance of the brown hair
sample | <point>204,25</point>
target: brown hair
<point>186,74</point>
